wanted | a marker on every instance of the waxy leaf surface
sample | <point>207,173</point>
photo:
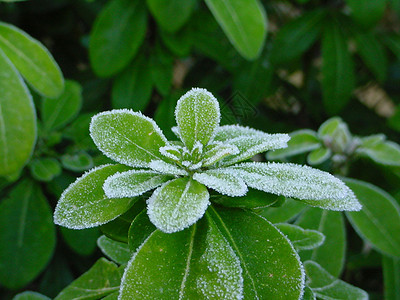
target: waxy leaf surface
<point>116,251</point>
<point>244,22</point>
<point>197,263</point>
<point>101,280</point>
<point>271,266</point>
<point>379,220</point>
<point>301,239</point>
<point>117,35</point>
<point>32,60</point>
<point>57,112</point>
<point>27,235</point>
<point>17,119</point>
<point>326,286</point>
<point>331,225</point>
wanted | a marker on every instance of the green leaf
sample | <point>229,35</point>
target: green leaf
<point>301,32</point>
<point>287,212</point>
<point>127,137</point>
<point>58,112</point>
<point>77,162</point>
<point>301,239</point>
<point>179,43</point>
<point>392,41</point>
<point>197,115</point>
<point>84,204</point>
<point>28,295</point>
<point>116,36</point>
<point>32,60</point>
<point>171,15</point>
<point>225,183</point>
<point>177,204</point>
<point>133,183</point>
<point>197,263</point>
<point>101,280</point>
<point>312,186</point>
<point>301,141</point>
<point>385,153</point>
<point>217,151</point>
<point>331,225</point>
<point>367,13</point>
<point>17,119</point>
<point>308,293</point>
<point>372,140</point>
<point>379,220</point>
<point>318,156</point>
<point>391,271</point>
<point>161,68</point>
<point>373,54</point>
<point>244,23</point>
<point>82,241</point>
<point>140,229</point>
<point>249,141</point>
<point>78,130</point>
<point>118,229</point>
<point>326,286</point>
<point>269,262</point>
<point>116,251</point>
<point>132,88</point>
<point>253,199</point>
<point>45,169</point>
<point>337,68</point>
<point>27,237</point>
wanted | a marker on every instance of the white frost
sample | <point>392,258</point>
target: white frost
<point>297,181</point>
<point>222,181</point>
<point>132,183</point>
<point>217,151</point>
<point>177,204</point>
<point>166,168</point>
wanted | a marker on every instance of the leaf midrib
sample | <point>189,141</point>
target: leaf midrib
<point>3,140</point>
<point>232,242</point>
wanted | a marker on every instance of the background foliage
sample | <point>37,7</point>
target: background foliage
<point>307,61</point>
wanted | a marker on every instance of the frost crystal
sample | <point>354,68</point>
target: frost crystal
<point>166,168</point>
<point>132,183</point>
<point>222,181</point>
<point>296,181</point>
<point>223,266</point>
<point>217,151</point>
<point>177,204</point>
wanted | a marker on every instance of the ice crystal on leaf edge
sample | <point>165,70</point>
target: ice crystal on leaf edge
<point>197,114</point>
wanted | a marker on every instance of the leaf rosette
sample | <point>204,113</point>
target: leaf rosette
<point>205,160</point>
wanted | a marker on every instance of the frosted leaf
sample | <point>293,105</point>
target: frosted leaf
<point>127,137</point>
<point>318,156</point>
<point>219,274</point>
<point>132,183</point>
<point>84,204</point>
<point>223,182</point>
<point>172,152</point>
<point>175,130</point>
<point>116,251</point>
<point>197,115</point>
<point>301,239</point>
<point>252,145</point>
<point>177,204</point>
<point>166,168</point>
<point>300,182</point>
<point>326,286</point>
<point>229,132</point>
<point>217,151</point>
